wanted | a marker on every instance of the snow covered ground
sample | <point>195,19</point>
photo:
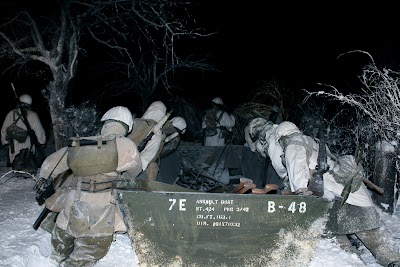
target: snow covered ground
<point>22,246</point>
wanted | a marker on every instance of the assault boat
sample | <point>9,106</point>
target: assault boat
<point>201,216</point>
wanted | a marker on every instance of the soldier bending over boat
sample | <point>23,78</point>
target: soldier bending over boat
<point>295,156</point>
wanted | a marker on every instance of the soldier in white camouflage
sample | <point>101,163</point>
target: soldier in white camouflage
<point>295,155</point>
<point>88,215</point>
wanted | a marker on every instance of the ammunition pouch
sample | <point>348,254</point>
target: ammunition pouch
<point>93,155</point>
<point>210,131</point>
<point>15,132</point>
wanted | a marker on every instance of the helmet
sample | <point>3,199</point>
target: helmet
<point>255,127</point>
<point>25,98</point>
<point>121,114</point>
<point>286,128</point>
<point>155,111</point>
<point>217,101</point>
<point>266,131</point>
<point>179,123</point>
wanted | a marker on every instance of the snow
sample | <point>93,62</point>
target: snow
<point>22,246</point>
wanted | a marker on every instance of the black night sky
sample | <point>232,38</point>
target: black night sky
<point>297,44</point>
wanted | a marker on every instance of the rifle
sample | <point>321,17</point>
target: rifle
<point>44,189</point>
<point>157,127</point>
<point>31,133</point>
<point>317,181</point>
<point>41,217</point>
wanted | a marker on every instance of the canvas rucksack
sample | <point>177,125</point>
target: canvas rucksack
<point>92,155</point>
<point>15,132</point>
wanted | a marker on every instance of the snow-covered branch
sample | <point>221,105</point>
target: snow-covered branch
<point>379,100</point>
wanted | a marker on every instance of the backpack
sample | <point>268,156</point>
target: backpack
<point>15,132</point>
<point>92,155</point>
<point>211,122</point>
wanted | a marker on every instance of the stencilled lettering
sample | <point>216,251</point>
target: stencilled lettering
<point>226,213</point>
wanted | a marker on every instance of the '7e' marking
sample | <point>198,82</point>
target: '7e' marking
<point>181,204</point>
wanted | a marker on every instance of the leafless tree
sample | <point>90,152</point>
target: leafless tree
<point>379,100</point>
<point>150,58</point>
<point>121,25</point>
<point>150,73</point>
<point>275,93</point>
<point>377,106</point>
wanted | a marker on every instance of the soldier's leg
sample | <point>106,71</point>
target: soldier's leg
<point>381,245</point>
<point>63,243</point>
<point>88,250</point>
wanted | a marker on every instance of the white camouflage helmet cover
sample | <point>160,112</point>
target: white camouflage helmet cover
<point>119,113</point>
<point>266,132</point>
<point>155,111</point>
<point>256,126</point>
<point>217,100</point>
<point>25,98</point>
<point>179,123</point>
<point>286,128</point>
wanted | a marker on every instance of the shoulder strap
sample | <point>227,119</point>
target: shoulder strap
<point>305,141</point>
<point>220,116</point>
<point>16,119</point>
<point>218,120</point>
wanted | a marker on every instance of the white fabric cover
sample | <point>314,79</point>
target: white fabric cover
<point>155,111</point>
<point>286,128</point>
<point>179,123</point>
<point>25,98</point>
<point>275,152</point>
<point>119,113</point>
<point>151,149</point>
<point>217,100</point>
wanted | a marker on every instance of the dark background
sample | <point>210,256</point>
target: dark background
<point>295,44</point>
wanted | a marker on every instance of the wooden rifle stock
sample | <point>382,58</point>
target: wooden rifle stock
<point>373,186</point>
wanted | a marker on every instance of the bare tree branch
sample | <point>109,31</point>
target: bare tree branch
<point>132,28</point>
